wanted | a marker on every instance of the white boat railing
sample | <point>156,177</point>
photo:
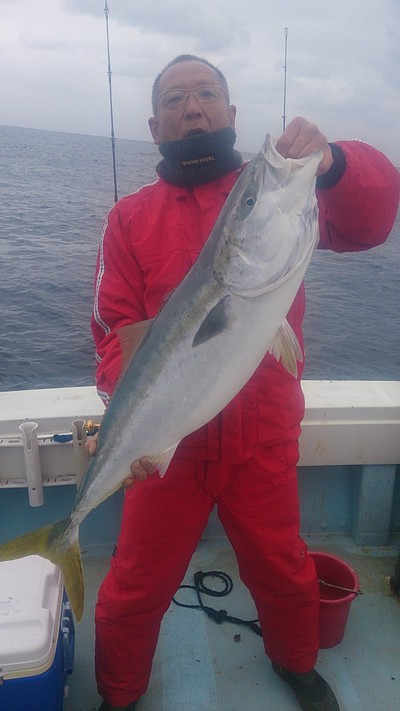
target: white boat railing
<point>43,433</point>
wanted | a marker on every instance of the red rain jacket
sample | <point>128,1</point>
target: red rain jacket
<point>151,239</point>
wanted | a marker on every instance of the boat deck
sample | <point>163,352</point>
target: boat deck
<point>208,667</point>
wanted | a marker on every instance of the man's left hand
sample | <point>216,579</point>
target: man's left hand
<point>301,138</point>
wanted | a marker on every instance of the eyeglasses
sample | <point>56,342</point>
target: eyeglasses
<point>173,98</point>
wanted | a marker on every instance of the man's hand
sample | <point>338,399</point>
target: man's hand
<point>141,468</point>
<point>301,138</point>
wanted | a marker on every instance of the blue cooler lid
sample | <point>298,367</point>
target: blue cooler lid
<point>30,607</point>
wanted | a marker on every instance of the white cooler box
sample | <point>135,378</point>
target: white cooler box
<point>36,636</point>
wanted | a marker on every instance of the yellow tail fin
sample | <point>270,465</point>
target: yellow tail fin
<point>47,542</point>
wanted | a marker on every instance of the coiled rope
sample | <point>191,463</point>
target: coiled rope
<point>218,616</point>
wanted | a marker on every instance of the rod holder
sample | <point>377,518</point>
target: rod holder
<point>81,457</point>
<point>32,463</point>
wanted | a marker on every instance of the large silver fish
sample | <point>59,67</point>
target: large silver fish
<point>204,345</point>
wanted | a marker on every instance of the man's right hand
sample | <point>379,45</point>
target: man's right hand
<point>140,468</point>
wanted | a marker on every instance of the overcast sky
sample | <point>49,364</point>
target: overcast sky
<point>343,69</point>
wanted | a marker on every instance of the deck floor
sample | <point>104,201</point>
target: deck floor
<point>200,665</point>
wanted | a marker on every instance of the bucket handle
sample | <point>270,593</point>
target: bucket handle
<point>340,587</point>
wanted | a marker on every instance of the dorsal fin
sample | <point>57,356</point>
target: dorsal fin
<point>130,338</point>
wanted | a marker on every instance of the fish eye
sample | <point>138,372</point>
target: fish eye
<point>249,201</point>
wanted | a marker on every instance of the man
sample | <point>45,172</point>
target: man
<point>245,459</point>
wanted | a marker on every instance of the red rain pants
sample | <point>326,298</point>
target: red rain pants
<point>162,522</point>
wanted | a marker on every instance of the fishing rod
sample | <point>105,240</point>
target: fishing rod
<point>286,32</point>
<point>109,73</point>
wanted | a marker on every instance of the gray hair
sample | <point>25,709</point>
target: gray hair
<point>186,58</point>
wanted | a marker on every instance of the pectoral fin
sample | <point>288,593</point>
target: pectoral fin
<point>216,321</point>
<point>286,348</point>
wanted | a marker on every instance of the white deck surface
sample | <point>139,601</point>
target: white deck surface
<point>200,666</point>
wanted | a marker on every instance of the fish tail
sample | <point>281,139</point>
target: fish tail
<point>48,542</point>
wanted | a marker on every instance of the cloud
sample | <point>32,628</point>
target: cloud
<point>208,25</point>
<point>343,62</point>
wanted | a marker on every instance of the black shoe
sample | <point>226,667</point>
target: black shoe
<point>106,707</point>
<point>312,691</point>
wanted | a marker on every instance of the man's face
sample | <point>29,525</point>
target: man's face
<point>192,116</point>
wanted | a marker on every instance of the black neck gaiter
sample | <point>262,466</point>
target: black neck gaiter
<point>200,158</point>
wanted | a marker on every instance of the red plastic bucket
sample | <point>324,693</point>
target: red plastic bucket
<point>334,602</point>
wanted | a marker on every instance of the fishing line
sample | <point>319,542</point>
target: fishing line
<point>109,73</point>
<point>286,32</point>
<point>218,616</point>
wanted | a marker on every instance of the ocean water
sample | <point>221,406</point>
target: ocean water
<point>55,191</point>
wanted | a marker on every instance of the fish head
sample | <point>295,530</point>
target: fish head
<point>269,223</point>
